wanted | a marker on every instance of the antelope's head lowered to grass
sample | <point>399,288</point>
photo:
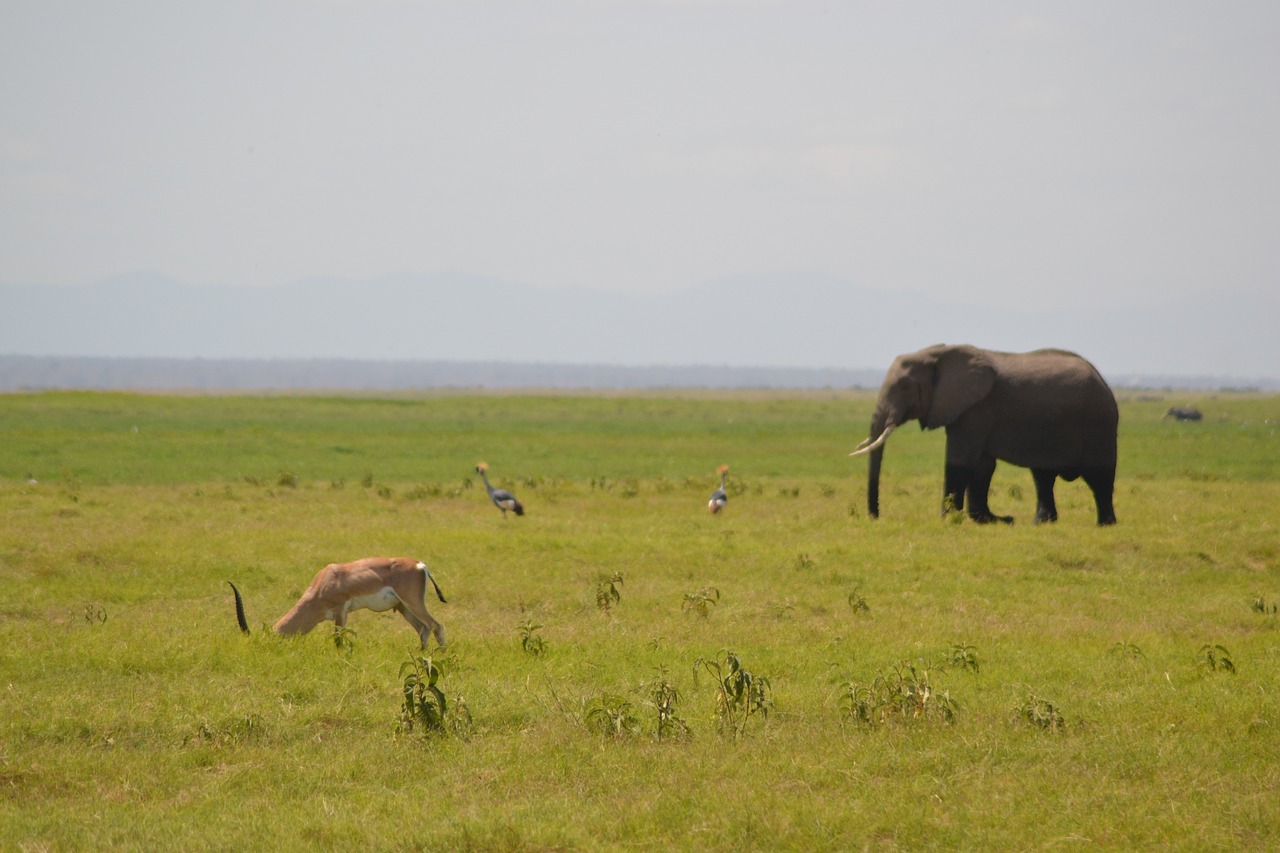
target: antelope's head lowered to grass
<point>374,583</point>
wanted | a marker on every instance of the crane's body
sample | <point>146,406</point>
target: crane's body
<point>501,498</point>
<point>719,497</point>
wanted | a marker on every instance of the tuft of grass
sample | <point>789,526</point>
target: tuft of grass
<point>1261,605</point>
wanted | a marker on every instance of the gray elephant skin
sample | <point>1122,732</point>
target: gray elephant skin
<point>1048,410</point>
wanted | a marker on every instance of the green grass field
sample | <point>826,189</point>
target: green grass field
<point>927,682</point>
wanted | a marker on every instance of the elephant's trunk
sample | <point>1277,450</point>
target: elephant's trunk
<point>879,433</point>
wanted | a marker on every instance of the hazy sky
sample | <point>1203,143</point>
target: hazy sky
<point>1052,153</point>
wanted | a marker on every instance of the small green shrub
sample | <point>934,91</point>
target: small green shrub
<point>1212,658</point>
<point>702,601</point>
<point>1041,713</point>
<point>1126,651</point>
<point>665,697</point>
<point>344,640</point>
<point>740,693</point>
<point>611,715</point>
<point>607,593</point>
<point>858,604</point>
<point>530,640</point>
<point>424,704</point>
<point>963,657</point>
<point>903,694</point>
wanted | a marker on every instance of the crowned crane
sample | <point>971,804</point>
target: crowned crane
<point>719,498</point>
<point>501,498</point>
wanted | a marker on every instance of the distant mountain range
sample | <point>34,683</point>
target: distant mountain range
<point>448,329</point>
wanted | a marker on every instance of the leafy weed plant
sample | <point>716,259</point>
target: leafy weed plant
<point>344,640</point>
<point>702,601</point>
<point>903,694</point>
<point>530,640</point>
<point>858,604</point>
<point>740,694</point>
<point>611,715</point>
<point>1040,712</point>
<point>425,706</point>
<point>1215,658</point>
<point>608,592</point>
<point>664,698</point>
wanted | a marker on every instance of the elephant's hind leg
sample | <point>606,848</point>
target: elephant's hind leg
<point>1103,483</point>
<point>1046,508</point>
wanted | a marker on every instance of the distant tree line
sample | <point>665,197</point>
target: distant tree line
<point>35,373</point>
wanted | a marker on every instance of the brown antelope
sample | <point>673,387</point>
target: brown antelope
<point>374,583</point>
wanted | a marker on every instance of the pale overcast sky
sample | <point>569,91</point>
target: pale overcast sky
<point>1052,153</point>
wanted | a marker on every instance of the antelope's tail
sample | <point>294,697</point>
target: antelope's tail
<point>244,624</point>
<point>439,594</point>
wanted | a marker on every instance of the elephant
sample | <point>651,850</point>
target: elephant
<point>1048,410</point>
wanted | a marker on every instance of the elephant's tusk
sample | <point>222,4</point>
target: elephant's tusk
<point>867,446</point>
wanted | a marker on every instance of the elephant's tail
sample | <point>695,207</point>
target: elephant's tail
<point>244,624</point>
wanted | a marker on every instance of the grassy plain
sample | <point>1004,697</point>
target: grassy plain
<point>133,714</point>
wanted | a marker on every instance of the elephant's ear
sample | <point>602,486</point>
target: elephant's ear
<point>962,377</point>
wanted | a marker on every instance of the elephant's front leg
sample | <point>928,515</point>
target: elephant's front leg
<point>1046,508</point>
<point>954,485</point>
<point>979,486</point>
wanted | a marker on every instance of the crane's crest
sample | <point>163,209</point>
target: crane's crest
<point>723,469</point>
<point>482,467</point>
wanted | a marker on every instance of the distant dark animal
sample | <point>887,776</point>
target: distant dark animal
<point>1184,413</point>
<point>501,498</point>
<point>374,583</point>
<point>719,498</point>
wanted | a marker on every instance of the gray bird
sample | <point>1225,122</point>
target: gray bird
<point>719,498</point>
<point>501,498</point>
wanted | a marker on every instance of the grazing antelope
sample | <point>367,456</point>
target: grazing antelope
<point>501,498</point>
<point>719,497</point>
<point>374,583</point>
